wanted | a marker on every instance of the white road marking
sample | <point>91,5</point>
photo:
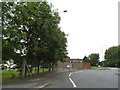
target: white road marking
<point>74,72</point>
<point>78,71</point>
<point>44,85</point>
<point>72,82</point>
<point>70,74</point>
<point>71,79</point>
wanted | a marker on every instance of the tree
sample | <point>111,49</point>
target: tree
<point>86,59</point>
<point>112,57</point>
<point>94,57</point>
<point>102,63</point>
<point>31,33</point>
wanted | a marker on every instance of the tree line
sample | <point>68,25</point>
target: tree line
<point>92,58</point>
<point>111,58</point>
<point>31,32</point>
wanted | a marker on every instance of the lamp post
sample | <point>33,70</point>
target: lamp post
<point>103,50</point>
<point>60,13</point>
<point>65,11</point>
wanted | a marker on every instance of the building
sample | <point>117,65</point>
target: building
<point>73,63</point>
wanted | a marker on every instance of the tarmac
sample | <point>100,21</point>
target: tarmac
<point>37,82</point>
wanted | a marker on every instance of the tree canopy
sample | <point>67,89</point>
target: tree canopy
<point>87,59</point>
<point>94,57</point>
<point>31,31</point>
<point>112,57</point>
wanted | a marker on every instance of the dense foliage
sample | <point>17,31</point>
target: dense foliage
<point>95,59</point>
<point>92,58</point>
<point>112,56</point>
<point>31,32</point>
<point>87,59</point>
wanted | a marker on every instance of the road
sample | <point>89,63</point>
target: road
<point>85,79</point>
<point>71,79</point>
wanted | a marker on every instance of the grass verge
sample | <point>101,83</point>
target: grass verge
<point>13,75</point>
<point>101,68</point>
<point>9,76</point>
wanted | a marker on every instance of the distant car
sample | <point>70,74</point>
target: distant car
<point>68,66</point>
<point>98,65</point>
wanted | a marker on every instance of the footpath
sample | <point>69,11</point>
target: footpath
<point>37,81</point>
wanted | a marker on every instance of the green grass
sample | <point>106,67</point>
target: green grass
<point>101,68</point>
<point>9,76</point>
<point>13,75</point>
<point>41,70</point>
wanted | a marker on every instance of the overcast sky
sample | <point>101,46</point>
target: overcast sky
<point>92,25</point>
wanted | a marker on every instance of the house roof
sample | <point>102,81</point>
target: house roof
<point>76,60</point>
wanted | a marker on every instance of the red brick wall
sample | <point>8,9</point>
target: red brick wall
<point>77,65</point>
<point>62,65</point>
<point>86,65</point>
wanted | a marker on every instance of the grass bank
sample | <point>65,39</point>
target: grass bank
<point>9,76</point>
<point>101,68</point>
<point>13,75</point>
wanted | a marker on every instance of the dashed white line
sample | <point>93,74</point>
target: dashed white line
<point>72,82</point>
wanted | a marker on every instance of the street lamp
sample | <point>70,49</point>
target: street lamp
<point>103,51</point>
<point>65,11</point>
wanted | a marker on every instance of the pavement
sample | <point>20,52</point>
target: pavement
<point>37,81</point>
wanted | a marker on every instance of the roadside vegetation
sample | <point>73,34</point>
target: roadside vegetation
<point>111,58</point>
<point>32,36</point>
<point>101,68</point>
<point>14,75</point>
<point>9,76</point>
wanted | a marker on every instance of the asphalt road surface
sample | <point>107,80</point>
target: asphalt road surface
<point>85,79</point>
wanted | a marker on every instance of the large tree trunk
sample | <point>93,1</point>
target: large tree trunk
<point>38,68</point>
<point>35,68</point>
<point>25,72</point>
<point>23,68</point>
<point>28,69</point>
<point>49,68</point>
<point>43,69</point>
<point>35,64</point>
<point>52,67</point>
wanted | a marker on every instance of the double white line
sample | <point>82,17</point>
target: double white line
<point>72,80</point>
<point>73,83</point>
<point>70,74</point>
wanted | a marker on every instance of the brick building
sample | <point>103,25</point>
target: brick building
<point>73,63</point>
